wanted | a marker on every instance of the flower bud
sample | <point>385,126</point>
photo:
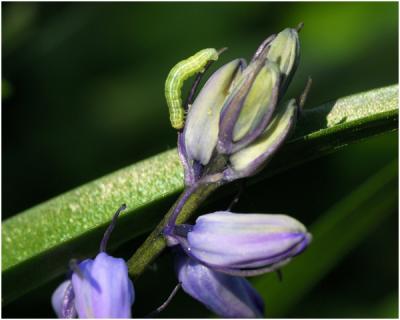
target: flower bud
<point>227,296</point>
<point>254,157</point>
<point>201,129</point>
<point>103,289</point>
<point>284,50</point>
<point>98,288</point>
<point>249,107</point>
<point>244,244</point>
<point>235,124</point>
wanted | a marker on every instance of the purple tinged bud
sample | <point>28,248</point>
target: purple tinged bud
<point>249,108</point>
<point>254,157</point>
<point>259,101</point>
<point>237,122</point>
<point>285,51</point>
<point>234,242</point>
<point>102,288</point>
<point>201,128</point>
<point>98,288</point>
<point>262,50</point>
<point>227,296</point>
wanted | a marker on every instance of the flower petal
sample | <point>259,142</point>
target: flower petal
<point>248,109</point>
<point>285,51</point>
<point>258,101</point>
<point>105,290</point>
<point>251,159</point>
<point>62,300</point>
<point>227,296</point>
<point>201,128</point>
<point>246,241</point>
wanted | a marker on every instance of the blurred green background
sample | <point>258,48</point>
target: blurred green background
<point>82,96</point>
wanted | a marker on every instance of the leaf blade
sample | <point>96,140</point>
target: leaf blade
<point>62,226</point>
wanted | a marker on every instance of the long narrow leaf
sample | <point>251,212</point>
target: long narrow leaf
<point>37,243</point>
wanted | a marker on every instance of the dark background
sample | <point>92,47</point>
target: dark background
<point>82,96</point>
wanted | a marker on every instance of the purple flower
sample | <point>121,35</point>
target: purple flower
<point>237,122</point>
<point>227,296</point>
<point>99,287</point>
<point>104,289</point>
<point>243,244</point>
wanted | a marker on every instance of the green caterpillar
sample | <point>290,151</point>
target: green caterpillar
<point>178,74</point>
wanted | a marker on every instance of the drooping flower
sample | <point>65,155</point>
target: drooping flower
<point>99,288</point>
<point>227,296</point>
<point>243,244</point>
<point>104,289</point>
<point>238,121</point>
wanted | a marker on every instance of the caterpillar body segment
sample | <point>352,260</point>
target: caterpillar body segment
<point>176,77</point>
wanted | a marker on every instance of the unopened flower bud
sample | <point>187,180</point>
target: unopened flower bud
<point>244,244</point>
<point>251,159</point>
<point>99,288</point>
<point>238,122</point>
<point>103,289</point>
<point>284,50</point>
<point>227,296</point>
<point>201,129</point>
<point>249,107</point>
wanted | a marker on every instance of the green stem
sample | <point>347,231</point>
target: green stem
<point>184,208</point>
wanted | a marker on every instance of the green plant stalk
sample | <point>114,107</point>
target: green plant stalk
<point>37,243</point>
<point>191,199</point>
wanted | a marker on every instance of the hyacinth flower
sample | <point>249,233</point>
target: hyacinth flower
<point>227,296</point>
<point>221,248</point>
<point>241,244</point>
<point>238,120</point>
<point>98,288</point>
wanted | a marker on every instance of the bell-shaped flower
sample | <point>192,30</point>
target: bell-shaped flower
<point>227,296</point>
<point>243,244</point>
<point>99,287</point>
<point>235,124</point>
<point>102,288</point>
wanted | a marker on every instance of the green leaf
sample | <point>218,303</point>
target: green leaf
<point>37,243</point>
<point>335,234</point>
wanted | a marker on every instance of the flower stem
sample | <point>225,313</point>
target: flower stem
<point>184,208</point>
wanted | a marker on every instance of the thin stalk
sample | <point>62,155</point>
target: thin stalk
<point>184,208</point>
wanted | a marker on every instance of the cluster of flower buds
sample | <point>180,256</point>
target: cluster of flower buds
<point>234,126</point>
<point>98,288</point>
<point>238,120</point>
